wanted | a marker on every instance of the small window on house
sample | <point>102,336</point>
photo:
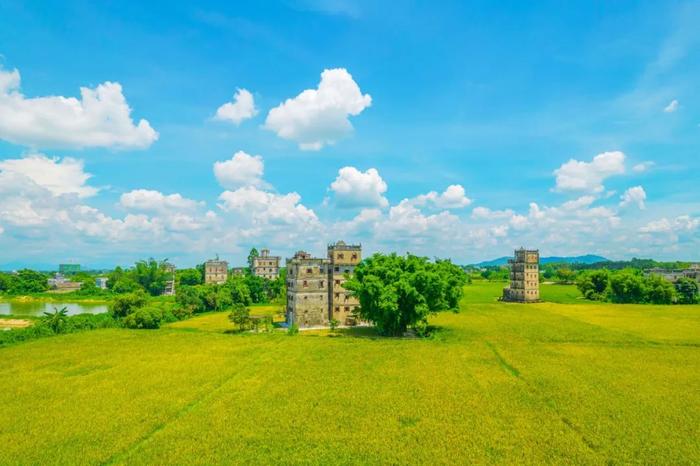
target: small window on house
<point>337,309</point>
<point>337,269</point>
<point>337,282</point>
<point>308,270</point>
<point>337,296</point>
<point>347,308</point>
<point>305,284</point>
<point>322,283</point>
<point>354,256</point>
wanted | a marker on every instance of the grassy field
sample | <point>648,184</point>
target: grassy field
<point>566,382</point>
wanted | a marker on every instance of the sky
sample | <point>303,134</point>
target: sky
<point>458,129</point>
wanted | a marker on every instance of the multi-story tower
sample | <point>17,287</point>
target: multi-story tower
<point>170,282</point>
<point>215,271</point>
<point>524,277</point>
<point>343,258</point>
<point>307,290</point>
<point>266,266</point>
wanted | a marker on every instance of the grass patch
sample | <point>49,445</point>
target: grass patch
<point>553,382</point>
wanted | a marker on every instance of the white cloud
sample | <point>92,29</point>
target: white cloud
<point>486,213</point>
<point>58,176</point>
<point>454,197</point>
<point>101,118</point>
<point>642,167</point>
<point>242,108</point>
<point>671,107</point>
<point>354,188</point>
<point>256,207</point>
<point>589,176</point>
<point>682,223</point>
<point>405,220</point>
<point>241,170</point>
<point>635,195</point>
<point>154,201</point>
<point>318,117</point>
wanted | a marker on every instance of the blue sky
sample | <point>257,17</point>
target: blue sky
<point>460,130</point>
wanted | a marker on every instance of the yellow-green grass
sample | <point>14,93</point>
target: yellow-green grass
<point>219,321</point>
<point>498,383</point>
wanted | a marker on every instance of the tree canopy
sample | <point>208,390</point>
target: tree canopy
<point>399,292</point>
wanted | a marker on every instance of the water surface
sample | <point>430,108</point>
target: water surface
<point>37,308</point>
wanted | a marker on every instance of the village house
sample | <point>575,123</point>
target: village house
<point>215,271</point>
<point>266,266</point>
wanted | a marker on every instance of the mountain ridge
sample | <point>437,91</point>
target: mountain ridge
<point>585,259</point>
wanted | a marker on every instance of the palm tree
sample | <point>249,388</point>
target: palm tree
<point>57,319</point>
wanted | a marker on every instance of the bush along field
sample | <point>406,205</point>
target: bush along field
<point>565,381</point>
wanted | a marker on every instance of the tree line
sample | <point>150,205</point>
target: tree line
<point>632,286</point>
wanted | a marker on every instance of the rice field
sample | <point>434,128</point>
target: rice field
<point>556,382</point>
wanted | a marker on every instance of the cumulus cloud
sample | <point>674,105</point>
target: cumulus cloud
<point>100,118</point>
<point>256,207</point>
<point>354,188</point>
<point>682,223</point>
<point>242,108</point>
<point>671,107</point>
<point>318,117</point>
<point>454,197</point>
<point>635,195</point>
<point>154,201</point>
<point>241,170</point>
<point>486,213</point>
<point>58,176</point>
<point>575,175</point>
<point>405,220</point>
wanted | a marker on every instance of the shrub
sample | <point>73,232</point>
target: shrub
<point>126,304</point>
<point>240,316</point>
<point>144,318</point>
<point>293,329</point>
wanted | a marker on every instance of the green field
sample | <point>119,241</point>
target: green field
<point>567,382</point>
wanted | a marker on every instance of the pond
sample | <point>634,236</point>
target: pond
<point>37,308</point>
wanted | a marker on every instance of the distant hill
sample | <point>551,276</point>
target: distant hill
<point>587,259</point>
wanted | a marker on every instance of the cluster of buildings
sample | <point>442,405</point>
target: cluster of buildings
<point>524,277</point>
<point>692,272</point>
<point>265,266</point>
<point>315,291</point>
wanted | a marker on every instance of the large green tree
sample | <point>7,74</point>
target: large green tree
<point>29,281</point>
<point>189,277</point>
<point>687,290</point>
<point>399,292</point>
<point>151,275</point>
<point>251,258</point>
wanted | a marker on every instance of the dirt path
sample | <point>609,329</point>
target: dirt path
<point>14,323</point>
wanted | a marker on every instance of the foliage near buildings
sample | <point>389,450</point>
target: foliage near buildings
<point>400,292</point>
<point>626,286</point>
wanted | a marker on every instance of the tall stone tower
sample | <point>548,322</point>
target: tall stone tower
<point>307,290</point>
<point>524,277</point>
<point>343,258</point>
<point>266,266</point>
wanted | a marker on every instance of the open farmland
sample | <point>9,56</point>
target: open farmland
<point>555,382</point>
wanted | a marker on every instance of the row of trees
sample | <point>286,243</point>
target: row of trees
<point>631,286</point>
<point>23,282</point>
<point>400,292</point>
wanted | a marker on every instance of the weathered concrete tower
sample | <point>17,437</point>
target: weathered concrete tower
<point>524,277</point>
<point>343,259</point>
<point>307,290</point>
